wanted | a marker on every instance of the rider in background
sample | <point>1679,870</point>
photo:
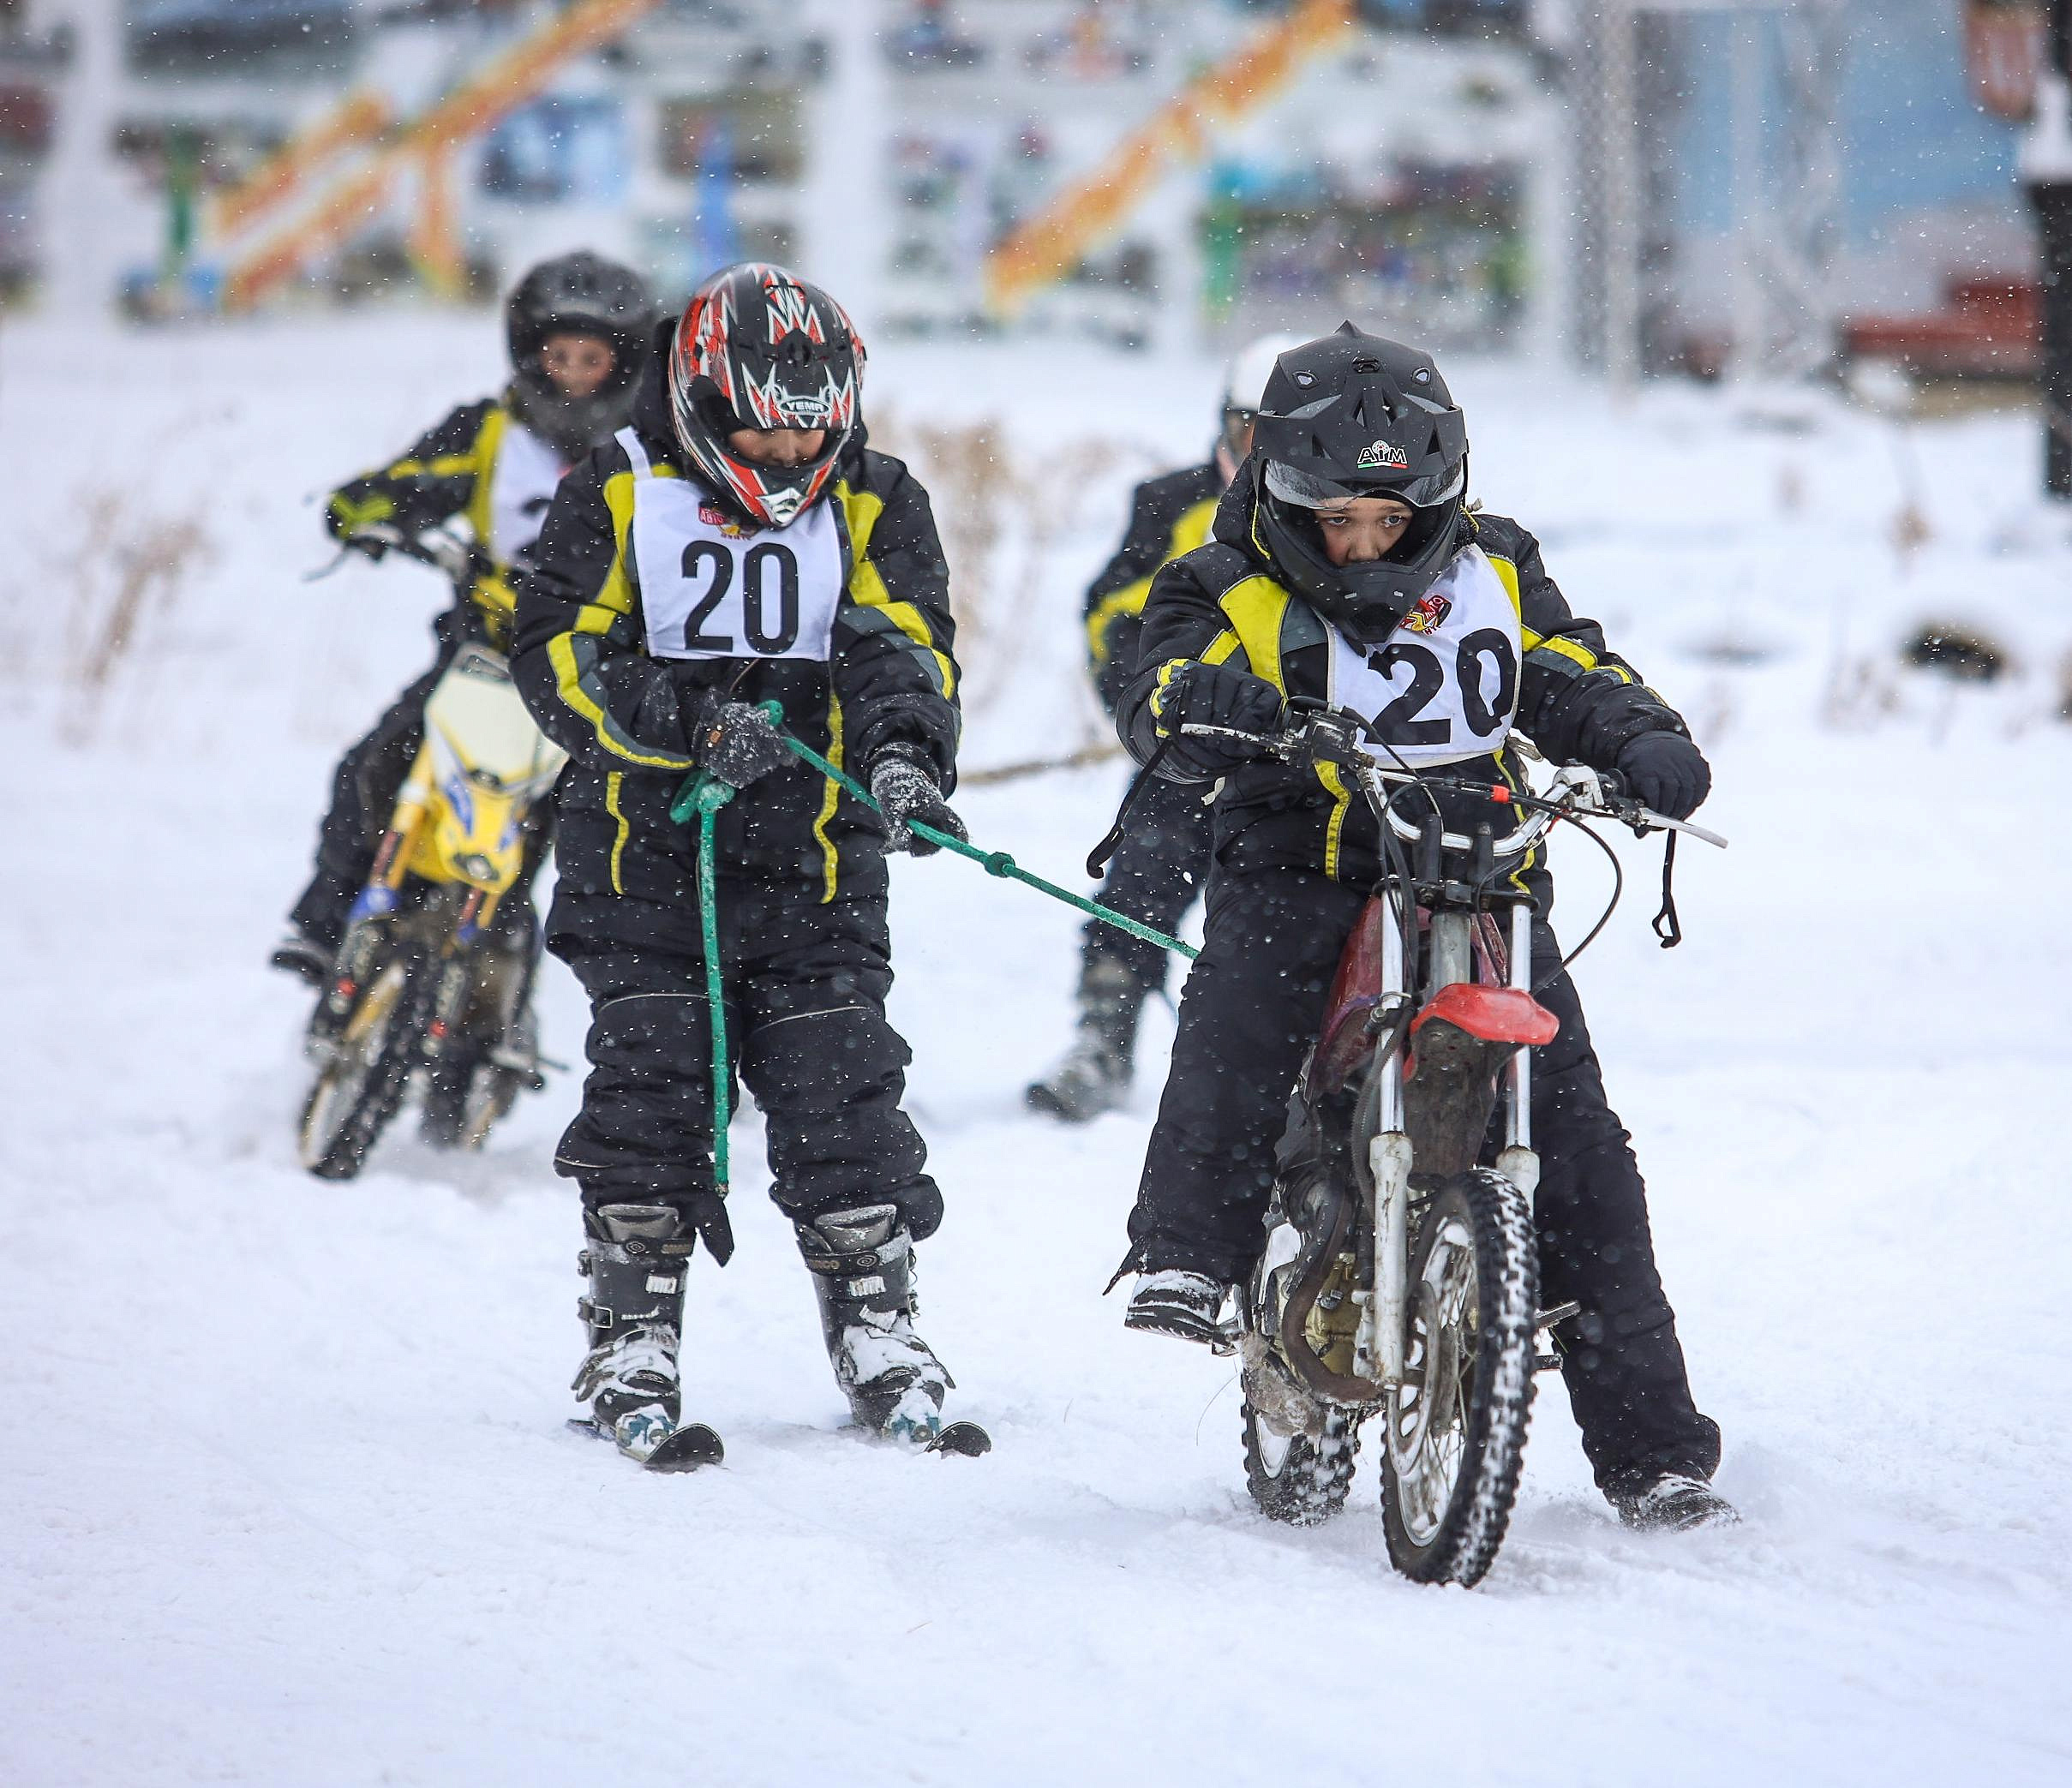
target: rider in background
<point>578,327</point>
<point>1343,555</point>
<point>1159,866</point>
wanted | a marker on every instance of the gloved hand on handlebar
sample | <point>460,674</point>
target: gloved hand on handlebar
<point>375,542</point>
<point>1215,694</point>
<point>1666,772</point>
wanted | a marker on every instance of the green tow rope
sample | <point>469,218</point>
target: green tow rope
<point>703,795</point>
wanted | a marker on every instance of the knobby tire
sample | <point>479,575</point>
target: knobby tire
<point>381,1083</point>
<point>1494,1392</point>
<point>1315,1475</point>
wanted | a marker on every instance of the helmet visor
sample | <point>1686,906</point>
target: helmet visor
<point>1309,490</point>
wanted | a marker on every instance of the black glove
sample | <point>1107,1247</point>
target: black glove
<point>903,784</point>
<point>373,542</point>
<point>1215,694</point>
<point>1666,772</point>
<point>734,741</point>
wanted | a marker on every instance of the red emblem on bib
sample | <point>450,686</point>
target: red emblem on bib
<point>1429,615</point>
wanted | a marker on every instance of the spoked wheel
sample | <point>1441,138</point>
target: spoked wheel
<point>361,1084</point>
<point>1456,1440</point>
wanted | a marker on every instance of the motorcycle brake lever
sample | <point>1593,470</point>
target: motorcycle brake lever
<point>1644,819</point>
<point>1647,820</point>
<point>1266,744</point>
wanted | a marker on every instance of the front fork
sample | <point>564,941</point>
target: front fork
<point>1379,1348</point>
<point>1518,1162</point>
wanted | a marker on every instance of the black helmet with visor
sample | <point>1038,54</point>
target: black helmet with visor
<point>578,294</point>
<point>1354,415</point>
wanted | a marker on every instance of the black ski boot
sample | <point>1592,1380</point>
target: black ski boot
<point>862,1263</point>
<point>635,1263</point>
<point>1095,1075</point>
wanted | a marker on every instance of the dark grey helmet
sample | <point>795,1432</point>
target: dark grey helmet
<point>1354,415</point>
<point>578,294</point>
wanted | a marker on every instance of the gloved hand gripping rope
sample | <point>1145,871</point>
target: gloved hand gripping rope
<point>703,795</point>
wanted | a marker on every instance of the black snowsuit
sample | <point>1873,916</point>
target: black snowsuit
<point>448,472</point>
<point>1162,857</point>
<point>802,879</point>
<point>1295,852</point>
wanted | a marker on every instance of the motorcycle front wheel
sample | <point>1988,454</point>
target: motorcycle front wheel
<point>1456,1436</point>
<point>362,1079</point>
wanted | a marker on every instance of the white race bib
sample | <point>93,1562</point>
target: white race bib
<point>1443,687</point>
<point>522,484</point>
<point>710,589</point>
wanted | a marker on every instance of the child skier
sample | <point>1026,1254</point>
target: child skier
<point>737,543</point>
<point>1348,523</point>
<point>1163,858</point>
<point>578,327</point>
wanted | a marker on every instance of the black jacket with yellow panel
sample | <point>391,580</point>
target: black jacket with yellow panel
<point>463,468</point>
<point>1168,515</point>
<point>627,870</point>
<point>1577,702</point>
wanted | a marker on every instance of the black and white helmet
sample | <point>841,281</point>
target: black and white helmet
<point>1354,415</point>
<point>1243,380</point>
<point>578,294</point>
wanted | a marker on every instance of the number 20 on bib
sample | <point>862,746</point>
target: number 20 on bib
<point>1444,686</point>
<point>708,590</point>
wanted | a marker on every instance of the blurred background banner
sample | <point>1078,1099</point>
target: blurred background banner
<point>1640,187</point>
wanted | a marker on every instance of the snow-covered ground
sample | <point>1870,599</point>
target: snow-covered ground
<point>286,1489</point>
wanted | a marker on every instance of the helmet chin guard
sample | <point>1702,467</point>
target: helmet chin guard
<point>758,348</point>
<point>1352,416</point>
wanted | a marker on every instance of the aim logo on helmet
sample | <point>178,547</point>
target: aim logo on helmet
<point>1382,456</point>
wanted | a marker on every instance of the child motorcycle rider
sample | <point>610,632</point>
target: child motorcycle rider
<point>1343,545</point>
<point>578,327</point>
<point>737,543</point>
<point>1163,856</point>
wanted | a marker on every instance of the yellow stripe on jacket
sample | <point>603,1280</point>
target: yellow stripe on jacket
<point>1190,531</point>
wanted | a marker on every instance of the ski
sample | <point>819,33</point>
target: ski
<point>967,1439</point>
<point>683,1448</point>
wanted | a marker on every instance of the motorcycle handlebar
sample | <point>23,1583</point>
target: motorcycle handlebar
<point>443,552</point>
<point>1318,736</point>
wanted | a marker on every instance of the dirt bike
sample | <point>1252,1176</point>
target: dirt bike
<point>1400,1276</point>
<point>424,985</point>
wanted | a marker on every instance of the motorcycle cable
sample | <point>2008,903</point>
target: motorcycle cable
<point>1520,798</point>
<point>1604,919</point>
<point>1667,927</point>
<point>1399,867</point>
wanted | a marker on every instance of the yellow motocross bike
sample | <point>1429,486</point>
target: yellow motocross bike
<point>425,985</point>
